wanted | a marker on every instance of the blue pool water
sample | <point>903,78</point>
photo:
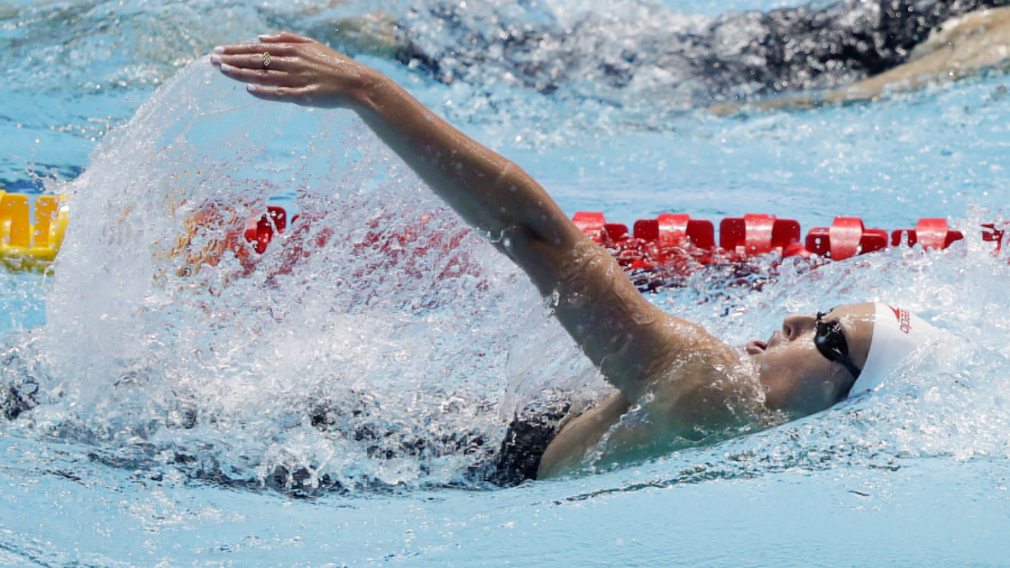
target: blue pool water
<point>170,403</point>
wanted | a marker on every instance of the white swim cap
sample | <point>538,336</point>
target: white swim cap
<point>897,333</point>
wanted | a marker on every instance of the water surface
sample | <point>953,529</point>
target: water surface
<point>174,406</point>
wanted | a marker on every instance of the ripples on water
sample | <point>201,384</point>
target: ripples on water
<point>350,357</point>
<point>73,70</point>
<point>356,356</point>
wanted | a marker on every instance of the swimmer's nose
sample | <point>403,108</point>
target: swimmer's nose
<point>796,325</point>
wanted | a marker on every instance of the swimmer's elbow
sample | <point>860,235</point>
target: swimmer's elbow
<point>526,208</point>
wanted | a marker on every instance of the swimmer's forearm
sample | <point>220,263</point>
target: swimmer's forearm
<point>596,303</point>
<point>489,191</point>
<point>627,338</point>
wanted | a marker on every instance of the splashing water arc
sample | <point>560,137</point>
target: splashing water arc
<point>175,389</point>
<point>379,309</point>
<point>380,342</point>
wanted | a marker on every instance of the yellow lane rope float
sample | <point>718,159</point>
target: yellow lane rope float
<point>27,245</point>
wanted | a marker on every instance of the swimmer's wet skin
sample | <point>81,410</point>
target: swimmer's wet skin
<point>692,386</point>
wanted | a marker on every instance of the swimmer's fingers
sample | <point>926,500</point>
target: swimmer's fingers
<point>280,44</point>
<point>302,69</point>
<point>299,96</point>
<point>285,36</point>
<point>274,49</point>
<point>259,76</point>
<point>254,61</point>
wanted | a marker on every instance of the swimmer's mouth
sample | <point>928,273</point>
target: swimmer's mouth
<point>755,347</point>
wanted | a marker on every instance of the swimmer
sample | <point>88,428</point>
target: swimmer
<point>683,385</point>
<point>958,48</point>
<point>846,49</point>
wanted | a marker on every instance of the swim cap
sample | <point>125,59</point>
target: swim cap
<point>897,333</point>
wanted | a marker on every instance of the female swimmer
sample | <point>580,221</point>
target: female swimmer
<point>691,386</point>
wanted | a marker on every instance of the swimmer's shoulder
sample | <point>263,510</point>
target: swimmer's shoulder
<point>696,387</point>
<point>693,352</point>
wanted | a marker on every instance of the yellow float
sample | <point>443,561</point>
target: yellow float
<point>25,245</point>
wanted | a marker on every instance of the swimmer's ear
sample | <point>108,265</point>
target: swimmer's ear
<point>285,37</point>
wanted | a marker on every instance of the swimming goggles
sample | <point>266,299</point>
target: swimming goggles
<point>830,341</point>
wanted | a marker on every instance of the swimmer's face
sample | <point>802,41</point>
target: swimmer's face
<point>796,377</point>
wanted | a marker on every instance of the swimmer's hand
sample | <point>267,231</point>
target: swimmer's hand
<point>301,70</point>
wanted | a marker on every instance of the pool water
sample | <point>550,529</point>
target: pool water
<point>174,414</point>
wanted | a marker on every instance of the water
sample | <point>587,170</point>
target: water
<point>171,420</point>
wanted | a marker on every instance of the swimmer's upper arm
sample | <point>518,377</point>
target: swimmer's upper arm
<point>629,339</point>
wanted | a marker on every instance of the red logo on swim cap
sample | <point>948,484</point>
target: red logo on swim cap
<point>904,319</point>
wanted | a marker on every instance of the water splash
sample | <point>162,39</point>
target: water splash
<point>381,343</point>
<point>371,343</point>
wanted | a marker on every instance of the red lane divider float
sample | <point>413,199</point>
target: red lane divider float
<point>664,250</point>
<point>754,235</point>
<point>930,233</point>
<point>260,231</point>
<point>993,233</point>
<point>759,234</point>
<point>675,245</point>
<point>845,238</point>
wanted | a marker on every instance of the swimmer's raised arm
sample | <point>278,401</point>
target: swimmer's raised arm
<point>630,340</point>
